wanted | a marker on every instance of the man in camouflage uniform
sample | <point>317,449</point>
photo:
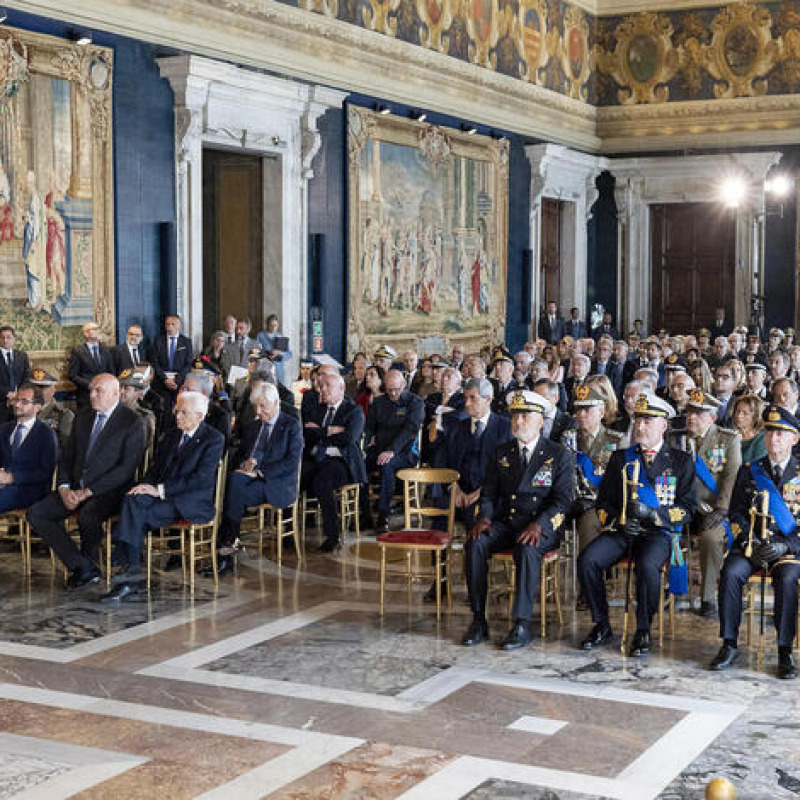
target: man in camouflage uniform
<point>54,414</point>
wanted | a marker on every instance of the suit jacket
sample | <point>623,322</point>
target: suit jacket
<point>20,372</point>
<point>600,330</point>
<point>280,462</point>
<point>114,458</point>
<point>189,473</point>
<point>122,356</point>
<point>349,416</point>
<point>561,422</point>
<point>551,334</point>
<point>33,464</point>
<point>394,426</point>
<point>83,367</point>
<point>613,372</point>
<point>469,454</point>
<point>577,330</point>
<point>542,492</point>
<point>236,353</point>
<point>182,360</point>
<point>724,329</point>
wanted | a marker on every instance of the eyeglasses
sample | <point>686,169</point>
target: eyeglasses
<point>22,401</point>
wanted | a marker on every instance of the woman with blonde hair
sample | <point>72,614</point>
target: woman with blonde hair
<point>603,386</point>
<point>746,413</point>
<point>737,370</point>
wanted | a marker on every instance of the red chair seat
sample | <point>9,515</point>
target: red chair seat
<point>433,538</point>
<point>184,523</point>
<point>549,556</point>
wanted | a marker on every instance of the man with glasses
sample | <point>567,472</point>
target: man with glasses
<point>130,354</point>
<point>87,361</point>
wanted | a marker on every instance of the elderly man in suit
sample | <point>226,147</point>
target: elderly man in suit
<point>527,490</point>
<point>87,361</point>
<point>266,464</point>
<point>14,370</point>
<point>94,472</point>
<point>333,454</point>
<point>179,485</point>
<point>28,452</point>
<point>130,354</point>
<point>171,358</point>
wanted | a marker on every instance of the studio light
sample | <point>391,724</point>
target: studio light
<point>778,186</point>
<point>733,191</point>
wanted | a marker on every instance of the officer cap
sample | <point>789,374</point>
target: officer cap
<point>777,332</point>
<point>586,397</point>
<point>674,363</point>
<point>779,419</point>
<point>742,329</point>
<point>790,332</point>
<point>704,332</point>
<point>41,377</point>
<point>756,365</point>
<point>524,400</point>
<point>254,354</point>
<point>307,363</point>
<point>384,351</point>
<point>702,401</point>
<point>440,364</point>
<point>129,377</point>
<point>501,353</point>
<point>206,365</point>
<point>651,405</point>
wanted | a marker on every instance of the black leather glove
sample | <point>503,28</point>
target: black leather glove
<point>769,552</point>
<point>641,511</point>
<point>633,528</point>
<point>714,519</point>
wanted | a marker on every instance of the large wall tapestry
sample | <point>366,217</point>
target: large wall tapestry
<point>56,192</point>
<point>428,233</point>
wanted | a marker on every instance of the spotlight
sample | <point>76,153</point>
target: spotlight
<point>733,191</point>
<point>778,186</point>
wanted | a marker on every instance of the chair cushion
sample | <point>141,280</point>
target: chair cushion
<point>549,556</point>
<point>433,538</point>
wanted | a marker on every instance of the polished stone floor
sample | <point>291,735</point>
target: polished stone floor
<point>288,683</point>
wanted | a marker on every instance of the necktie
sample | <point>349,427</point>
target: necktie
<point>525,456</point>
<point>328,417</point>
<point>777,474</point>
<point>96,353</point>
<point>479,427</point>
<point>184,439</point>
<point>261,441</point>
<point>241,349</point>
<point>649,455</point>
<point>135,356</point>
<point>10,363</point>
<point>99,423</point>
<point>171,356</point>
<point>17,440</point>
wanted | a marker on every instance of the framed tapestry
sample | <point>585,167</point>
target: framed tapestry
<point>56,192</point>
<point>428,231</point>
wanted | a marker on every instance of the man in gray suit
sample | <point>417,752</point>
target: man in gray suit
<point>235,353</point>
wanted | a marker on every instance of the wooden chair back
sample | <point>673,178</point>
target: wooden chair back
<point>415,481</point>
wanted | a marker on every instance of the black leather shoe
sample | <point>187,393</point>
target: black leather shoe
<point>224,564</point>
<point>641,644</point>
<point>382,524</point>
<point>79,577</point>
<point>329,546</point>
<point>726,657</point>
<point>477,632</point>
<point>519,636</point>
<point>120,592</point>
<point>708,610</point>
<point>787,669</point>
<point>599,635</point>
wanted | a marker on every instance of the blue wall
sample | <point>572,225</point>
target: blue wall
<point>144,183</point>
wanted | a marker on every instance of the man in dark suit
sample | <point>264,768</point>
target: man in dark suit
<point>575,326</point>
<point>720,326</point>
<point>603,364</point>
<point>266,464</point>
<point>94,472</point>
<point>527,490</point>
<point>179,485</point>
<point>28,452</point>
<point>87,361</point>
<point>130,353</point>
<point>332,454</point>
<point>14,370</point>
<point>171,358</point>
<point>605,328</point>
<point>551,325</point>
<point>393,423</point>
<point>442,409</point>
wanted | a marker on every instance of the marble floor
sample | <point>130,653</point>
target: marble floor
<point>288,683</point>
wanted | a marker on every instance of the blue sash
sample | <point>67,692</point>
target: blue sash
<point>777,507</point>
<point>587,468</point>
<point>704,473</point>
<point>646,492</point>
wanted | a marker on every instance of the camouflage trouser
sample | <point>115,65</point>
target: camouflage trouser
<point>588,527</point>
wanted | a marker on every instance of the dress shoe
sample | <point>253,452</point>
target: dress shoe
<point>224,564</point>
<point>430,595</point>
<point>129,575</point>
<point>599,635</point>
<point>726,657</point>
<point>120,592</point>
<point>382,524</point>
<point>708,610</point>
<point>329,546</point>
<point>519,636</point>
<point>79,577</point>
<point>641,644</point>
<point>787,669</point>
<point>477,632</point>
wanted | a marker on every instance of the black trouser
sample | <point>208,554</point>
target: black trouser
<point>47,519</point>
<point>650,551</point>
<point>321,479</point>
<point>736,571</point>
<point>527,565</point>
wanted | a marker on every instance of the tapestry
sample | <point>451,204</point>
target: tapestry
<point>56,192</point>
<point>428,232</point>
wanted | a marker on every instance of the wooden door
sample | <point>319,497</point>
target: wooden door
<point>550,255</point>
<point>692,249</point>
<point>233,222</point>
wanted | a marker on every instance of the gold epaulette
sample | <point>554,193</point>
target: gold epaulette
<point>557,521</point>
<point>676,514</point>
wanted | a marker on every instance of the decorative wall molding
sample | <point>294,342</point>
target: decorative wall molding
<point>229,107</point>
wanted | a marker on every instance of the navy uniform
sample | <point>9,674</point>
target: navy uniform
<point>503,390</point>
<point>779,552</point>
<point>646,536</point>
<point>518,499</point>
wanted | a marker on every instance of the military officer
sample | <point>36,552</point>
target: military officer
<point>503,381</point>
<point>593,445</point>
<point>755,380</point>
<point>663,501</point>
<point>54,414</point>
<point>717,454</point>
<point>528,488</point>
<point>131,386</point>
<point>777,478</point>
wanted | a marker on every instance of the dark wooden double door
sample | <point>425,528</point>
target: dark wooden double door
<point>693,251</point>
